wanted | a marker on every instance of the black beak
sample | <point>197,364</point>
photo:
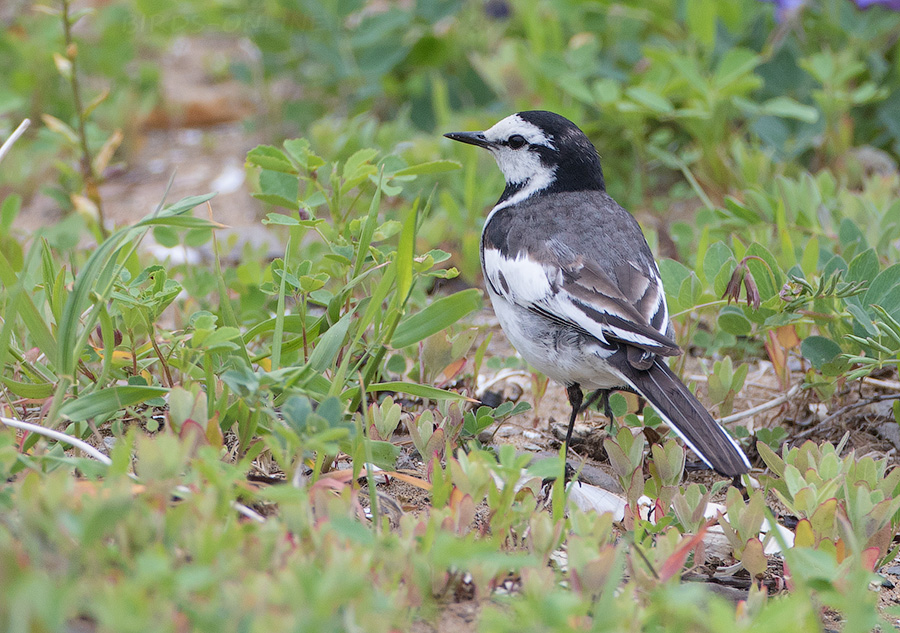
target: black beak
<point>472,138</point>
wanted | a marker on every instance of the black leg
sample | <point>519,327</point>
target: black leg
<point>737,483</point>
<point>603,396</point>
<point>575,399</point>
<point>592,399</point>
<point>607,410</point>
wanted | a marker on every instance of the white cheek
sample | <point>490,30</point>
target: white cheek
<point>523,170</point>
<point>518,165</point>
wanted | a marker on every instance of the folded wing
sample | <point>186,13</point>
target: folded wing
<point>624,305</point>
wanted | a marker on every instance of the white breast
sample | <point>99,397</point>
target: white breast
<point>558,352</point>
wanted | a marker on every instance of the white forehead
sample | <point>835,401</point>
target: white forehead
<point>514,124</point>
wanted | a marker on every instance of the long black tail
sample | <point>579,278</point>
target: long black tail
<point>684,413</point>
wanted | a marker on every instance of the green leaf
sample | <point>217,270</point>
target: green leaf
<point>108,401</point>
<point>93,284</point>
<point>810,260</point>
<point>771,458</point>
<point>281,219</point>
<point>365,238</point>
<point>182,222</point>
<point>358,167</point>
<point>328,346</point>
<point>549,468</point>
<point>35,391</point>
<point>787,108</point>
<point>404,257</point>
<point>689,293</point>
<point>439,315</point>
<point>650,100</point>
<point>850,236</point>
<point>577,87</point>
<point>618,404</point>
<point>383,454</point>
<point>673,274</point>
<point>882,285</point>
<point>271,158</point>
<point>833,265</point>
<point>717,257</point>
<point>9,211</point>
<point>863,319</point>
<point>864,266</point>
<point>415,389</point>
<point>819,350</point>
<point>432,167</point>
<point>740,211</point>
<point>19,300</point>
<point>278,188</point>
<point>735,64</point>
<point>183,205</point>
<point>299,150</point>
<point>732,320</point>
<point>315,199</point>
<point>701,20</point>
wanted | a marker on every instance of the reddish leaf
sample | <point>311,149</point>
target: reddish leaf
<point>777,356</point>
<point>870,558</point>
<point>192,431</point>
<point>788,579</point>
<point>214,432</point>
<point>675,563</point>
<point>787,336</point>
<point>451,370</point>
<point>465,514</point>
<point>803,534</point>
<point>753,558</point>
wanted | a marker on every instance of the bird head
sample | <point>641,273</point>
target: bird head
<point>538,150</point>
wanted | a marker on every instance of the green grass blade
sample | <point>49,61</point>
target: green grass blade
<point>108,401</point>
<point>227,312</point>
<point>278,334</point>
<point>34,321</point>
<point>35,391</point>
<point>405,254</point>
<point>438,316</point>
<point>365,238</point>
<point>326,350</point>
<point>415,389</point>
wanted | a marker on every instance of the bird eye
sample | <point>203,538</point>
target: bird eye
<point>516,141</point>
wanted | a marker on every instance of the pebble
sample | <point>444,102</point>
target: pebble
<point>889,431</point>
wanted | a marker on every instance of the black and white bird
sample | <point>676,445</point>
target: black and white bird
<point>574,284</point>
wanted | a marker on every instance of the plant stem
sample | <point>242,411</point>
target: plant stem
<point>699,307</point>
<point>19,131</point>
<point>162,359</point>
<point>87,163</point>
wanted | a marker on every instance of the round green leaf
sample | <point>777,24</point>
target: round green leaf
<point>733,321</point>
<point>618,404</point>
<point>819,350</point>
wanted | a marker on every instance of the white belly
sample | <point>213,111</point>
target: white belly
<point>564,354</point>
